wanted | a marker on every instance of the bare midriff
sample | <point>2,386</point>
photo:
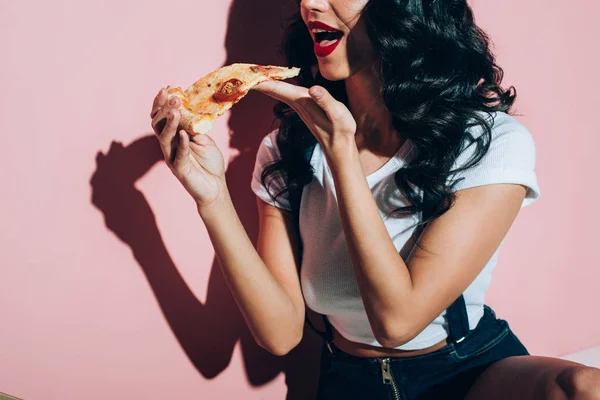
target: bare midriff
<point>365,350</point>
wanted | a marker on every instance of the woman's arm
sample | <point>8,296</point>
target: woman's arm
<point>267,293</point>
<point>400,298</point>
<point>264,284</point>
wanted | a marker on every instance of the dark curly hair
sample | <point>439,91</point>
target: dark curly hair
<point>439,79</point>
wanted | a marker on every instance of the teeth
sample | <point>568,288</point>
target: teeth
<point>320,30</point>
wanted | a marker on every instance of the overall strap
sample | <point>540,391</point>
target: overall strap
<point>458,320</point>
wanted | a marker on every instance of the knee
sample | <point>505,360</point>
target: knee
<point>580,383</point>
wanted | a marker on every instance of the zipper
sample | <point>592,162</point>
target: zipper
<point>388,378</point>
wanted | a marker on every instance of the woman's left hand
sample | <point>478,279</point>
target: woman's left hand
<point>329,120</point>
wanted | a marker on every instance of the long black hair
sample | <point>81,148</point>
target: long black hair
<point>439,77</point>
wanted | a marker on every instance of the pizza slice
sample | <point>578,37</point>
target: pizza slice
<point>211,96</point>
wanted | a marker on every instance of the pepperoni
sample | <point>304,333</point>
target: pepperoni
<point>229,91</point>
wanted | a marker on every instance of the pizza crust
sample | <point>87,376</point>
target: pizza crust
<point>214,94</point>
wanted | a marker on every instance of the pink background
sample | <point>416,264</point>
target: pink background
<point>121,297</point>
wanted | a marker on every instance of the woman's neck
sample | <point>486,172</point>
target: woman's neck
<point>374,123</point>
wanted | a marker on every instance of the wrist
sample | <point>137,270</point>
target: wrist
<point>341,152</point>
<point>215,206</point>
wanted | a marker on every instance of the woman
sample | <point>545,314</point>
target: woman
<point>411,172</point>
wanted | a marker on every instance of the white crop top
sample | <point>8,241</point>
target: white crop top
<point>327,275</point>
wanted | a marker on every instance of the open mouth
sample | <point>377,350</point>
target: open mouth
<point>326,37</point>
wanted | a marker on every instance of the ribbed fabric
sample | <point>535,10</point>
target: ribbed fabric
<point>327,275</point>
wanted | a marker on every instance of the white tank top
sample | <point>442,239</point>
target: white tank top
<point>327,275</point>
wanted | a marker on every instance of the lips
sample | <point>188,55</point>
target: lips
<point>326,38</point>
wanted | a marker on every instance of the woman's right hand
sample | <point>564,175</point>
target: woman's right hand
<point>195,160</point>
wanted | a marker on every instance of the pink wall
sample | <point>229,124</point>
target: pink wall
<point>85,317</point>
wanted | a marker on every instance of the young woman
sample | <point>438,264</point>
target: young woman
<point>411,172</point>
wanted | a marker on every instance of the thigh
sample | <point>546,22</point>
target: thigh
<point>527,378</point>
<point>489,343</point>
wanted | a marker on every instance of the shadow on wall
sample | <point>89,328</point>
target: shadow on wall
<point>208,332</point>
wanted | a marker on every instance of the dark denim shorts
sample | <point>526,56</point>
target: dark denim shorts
<point>445,374</point>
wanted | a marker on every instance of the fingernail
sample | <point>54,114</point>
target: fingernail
<point>170,116</point>
<point>316,92</point>
<point>172,101</point>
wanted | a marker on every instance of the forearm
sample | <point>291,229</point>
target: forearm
<point>383,277</point>
<point>268,310</point>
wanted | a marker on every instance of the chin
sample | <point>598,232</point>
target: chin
<point>334,71</point>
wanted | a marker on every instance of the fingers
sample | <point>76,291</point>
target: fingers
<point>282,91</point>
<point>332,108</point>
<point>183,150</point>
<point>160,118</point>
<point>296,97</point>
<point>202,140</point>
<point>167,134</point>
<point>159,101</point>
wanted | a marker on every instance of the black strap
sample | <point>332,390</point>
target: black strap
<point>456,314</point>
<point>458,320</point>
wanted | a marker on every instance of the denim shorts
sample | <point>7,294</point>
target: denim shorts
<point>444,374</point>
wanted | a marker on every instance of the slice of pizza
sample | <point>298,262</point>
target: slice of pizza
<point>211,96</point>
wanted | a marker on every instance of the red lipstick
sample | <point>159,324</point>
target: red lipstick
<point>320,25</point>
<point>324,51</point>
<point>328,45</point>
